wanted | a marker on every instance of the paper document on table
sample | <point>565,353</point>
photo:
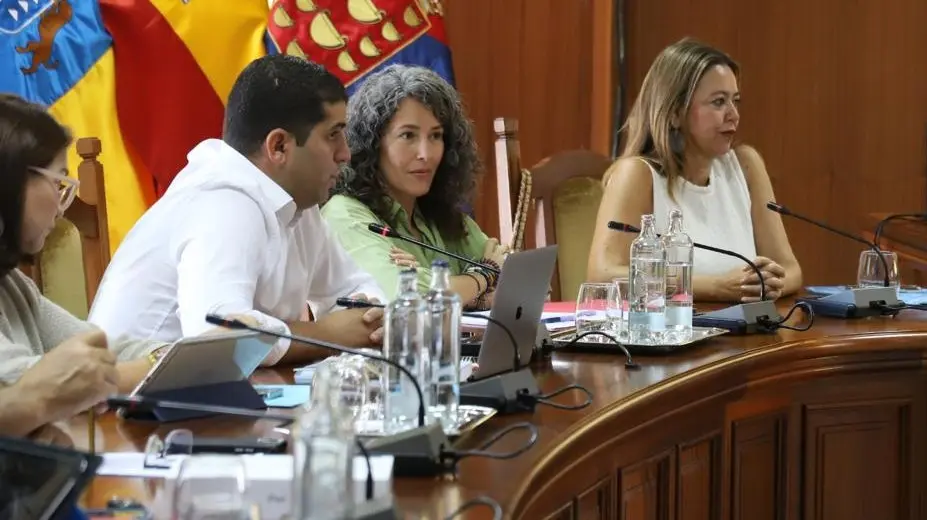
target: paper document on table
<point>553,320</point>
<point>132,464</point>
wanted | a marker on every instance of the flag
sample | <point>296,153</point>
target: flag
<point>148,77</point>
<point>353,38</point>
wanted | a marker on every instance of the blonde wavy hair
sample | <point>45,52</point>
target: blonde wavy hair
<point>665,96</point>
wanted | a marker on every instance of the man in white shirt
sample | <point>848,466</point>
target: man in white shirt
<point>239,231</point>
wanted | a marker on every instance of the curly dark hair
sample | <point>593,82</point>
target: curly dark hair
<point>370,110</point>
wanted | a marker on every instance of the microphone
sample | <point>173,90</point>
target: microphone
<point>372,510</point>
<point>514,391</point>
<point>742,318</point>
<point>877,234</point>
<point>782,210</point>
<point>856,302</point>
<point>419,452</point>
<point>387,231</point>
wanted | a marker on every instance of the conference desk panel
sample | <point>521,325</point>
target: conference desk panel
<point>824,424</point>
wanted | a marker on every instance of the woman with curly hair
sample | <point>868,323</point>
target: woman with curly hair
<point>413,167</point>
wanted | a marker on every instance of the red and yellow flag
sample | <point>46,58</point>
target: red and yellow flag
<point>148,77</point>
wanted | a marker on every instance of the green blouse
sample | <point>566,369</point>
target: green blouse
<point>348,218</point>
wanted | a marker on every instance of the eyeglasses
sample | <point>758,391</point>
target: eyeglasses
<point>158,452</point>
<point>67,186</point>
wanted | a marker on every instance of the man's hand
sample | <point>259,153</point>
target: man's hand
<point>354,327</point>
<point>373,318</point>
<point>74,376</point>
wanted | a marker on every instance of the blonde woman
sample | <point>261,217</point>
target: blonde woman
<point>681,152</point>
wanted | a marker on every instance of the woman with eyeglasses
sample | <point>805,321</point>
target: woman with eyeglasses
<point>58,364</point>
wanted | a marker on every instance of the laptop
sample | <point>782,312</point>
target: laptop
<point>41,482</point>
<point>518,304</point>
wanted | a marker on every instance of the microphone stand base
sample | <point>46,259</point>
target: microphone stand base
<point>416,452</point>
<point>511,392</point>
<point>381,508</point>
<point>745,318</point>
<point>860,302</point>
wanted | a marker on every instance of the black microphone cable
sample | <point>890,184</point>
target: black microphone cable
<point>481,500</point>
<point>780,323</point>
<point>454,456</point>
<point>523,398</point>
<point>877,234</point>
<point>629,363</point>
<point>368,486</point>
<point>544,399</point>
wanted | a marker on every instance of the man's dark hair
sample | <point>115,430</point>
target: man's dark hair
<point>29,137</point>
<point>278,91</point>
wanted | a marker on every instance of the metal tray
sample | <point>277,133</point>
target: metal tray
<point>469,418</point>
<point>603,344</point>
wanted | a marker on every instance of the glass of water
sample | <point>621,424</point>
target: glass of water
<point>592,304</point>
<point>211,487</point>
<point>618,308</point>
<point>871,272</point>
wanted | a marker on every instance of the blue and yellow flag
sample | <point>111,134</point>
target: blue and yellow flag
<point>148,77</point>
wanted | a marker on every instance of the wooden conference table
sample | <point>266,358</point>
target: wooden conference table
<point>830,423</point>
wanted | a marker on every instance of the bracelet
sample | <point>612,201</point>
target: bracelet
<point>482,272</point>
<point>155,355</point>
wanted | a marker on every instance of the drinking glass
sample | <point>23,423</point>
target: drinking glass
<point>349,376</point>
<point>592,305</point>
<point>871,272</point>
<point>211,487</point>
<point>619,307</point>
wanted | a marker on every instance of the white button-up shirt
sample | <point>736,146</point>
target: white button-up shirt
<point>224,239</point>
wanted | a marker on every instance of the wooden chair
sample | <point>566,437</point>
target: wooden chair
<point>555,202</point>
<point>80,238</point>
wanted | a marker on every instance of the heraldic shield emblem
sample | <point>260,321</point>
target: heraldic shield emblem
<point>16,15</point>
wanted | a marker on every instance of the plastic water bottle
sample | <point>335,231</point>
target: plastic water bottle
<point>679,259</point>
<point>647,286</point>
<point>404,342</point>
<point>322,441</point>
<point>443,339</point>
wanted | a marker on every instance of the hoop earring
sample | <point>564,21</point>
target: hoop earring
<point>677,141</point>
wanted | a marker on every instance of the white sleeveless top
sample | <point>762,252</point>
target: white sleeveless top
<point>715,215</point>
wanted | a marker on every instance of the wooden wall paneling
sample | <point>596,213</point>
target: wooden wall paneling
<point>880,155</point>
<point>530,60</point>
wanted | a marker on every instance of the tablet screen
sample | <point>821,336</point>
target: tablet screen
<point>35,480</point>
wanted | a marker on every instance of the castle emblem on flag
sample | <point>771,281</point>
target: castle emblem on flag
<point>349,37</point>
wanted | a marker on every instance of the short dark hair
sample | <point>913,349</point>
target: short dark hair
<point>370,111</point>
<point>29,137</point>
<point>278,91</point>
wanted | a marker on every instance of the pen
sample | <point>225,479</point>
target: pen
<point>356,304</point>
<point>92,431</point>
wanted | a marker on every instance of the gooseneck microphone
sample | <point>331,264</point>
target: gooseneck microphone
<point>782,210</point>
<point>515,391</point>
<point>742,318</point>
<point>621,226</point>
<point>877,233</point>
<point>387,231</point>
<point>856,302</point>
<point>420,452</point>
